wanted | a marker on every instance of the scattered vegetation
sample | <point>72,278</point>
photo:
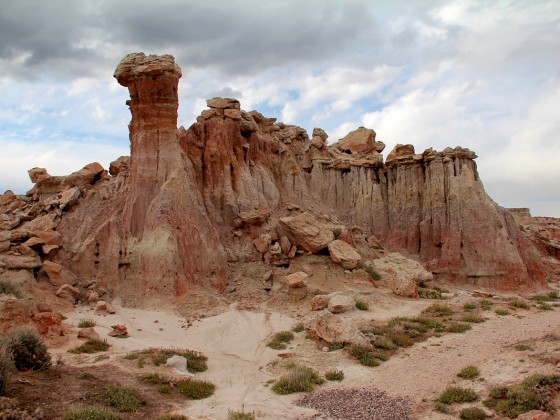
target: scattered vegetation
<point>362,305</point>
<point>433,293</point>
<point>438,310</point>
<point>279,340</point>
<point>472,413</point>
<point>86,323</point>
<point>10,411</point>
<point>86,375</point>
<point>298,379</point>
<point>469,372</point>
<point>550,297</point>
<point>501,311</point>
<point>516,303</point>
<point>372,273</point>
<point>457,327</point>
<point>336,232</point>
<point>486,304</point>
<point>155,379</point>
<point>196,361</point>
<point>457,395</point>
<point>522,347</point>
<point>335,345</point>
<point>240,415</point>
<point>534,393</point>
<point>543,306</point>
<point>196,389</point>
<point>123,399</point>
<point>475,319</point>
<point>9,288</point>
<point>26,349</point>
<point>173,417</point>
<point>92,345</point>
<point>299,327</point>
<point>6,368</point>
<point>90,413</point>
<point>469,306</point>
<point>334,375</point>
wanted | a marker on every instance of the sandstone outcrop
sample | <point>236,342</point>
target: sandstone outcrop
<point>402,275</point>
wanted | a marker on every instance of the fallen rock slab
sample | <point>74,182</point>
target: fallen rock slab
<point>344,254</point>
<point>326,327</point>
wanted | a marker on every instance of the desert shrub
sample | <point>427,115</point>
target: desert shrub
<point>6,369</point>
<point>362,305</point>
<point>438,310</point>
<point>380,355</point>
<point>196,389</point>
<point>10,411</point>
<point>122,399</point>
<point>86,375</point>
<point>429,322</point>
<point>457,395</point>
<point>399,339</point>
<point>486,304</point>
<point>336,232</point>
<point>543,306</point>
<point>516,303</point>
<point>472,413</point>
<point>299,327</point>
<point>279,340</point>
<point>469,372</point>
<point>131,356</point>
<point>552,296</point>
<point>472,318</point>
<point>522,347</point>
<point>165,389</point>
<point>368,360</point>
<point>384,343</point>
<point>457,327</point>
<point>9,288</point>
<point>196,361</point>
<point>429,293</point>
<point>86,323</point>
<point>501,311</point>
<point>173,417</point>
<point>240,415</point>
<point>298,379</point>
<point>334,375</point>
<point>92,345</point>
<point>154,378</point>
<point>469,306</point>
<point>372,273</point>
<point>90,413</point>
<point>26,348</point>
<point>335,345</point>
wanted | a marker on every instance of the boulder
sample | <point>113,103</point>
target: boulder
<point>119,165</point>
<point>339,303</point>
<point>251,218</point>
<point>535,415</point>
<point>58,275</point>
<point>103,306</point>
<point>325,327</point>
<point>20,261</point>
<point>119,330</point>
<point>179,363</point>
<point>285,244</point>
<point>69,293</point>
<point>360,140</point>
<point>402,274</point>
<point>223,103</point>
<point>48,324</point>
<point>262,243</point>
<point>305,231</point>
<point>295,285</point>
<point>88,332</point>
<point>69,197</point>
<point>319,302</point>
<point>344,254</point>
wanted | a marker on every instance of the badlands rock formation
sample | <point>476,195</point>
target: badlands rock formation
<point>236,186</point>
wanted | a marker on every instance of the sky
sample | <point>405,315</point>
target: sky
<point>478,74</point>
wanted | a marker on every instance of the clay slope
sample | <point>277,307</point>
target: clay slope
<point>237,186</point>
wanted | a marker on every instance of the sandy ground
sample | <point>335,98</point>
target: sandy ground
<point>240,363</point>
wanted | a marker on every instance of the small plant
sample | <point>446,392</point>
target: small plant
<point>86,323</point>
<point>131,356</point>
<point>362,305</point>
<point>279,340</point>
<point>384,343</point>
<point>240,415</point>
<point>122,399</point>
<point>469,306</point>
<point>501,311</point>
<point>472,413</point>
<point>299,327</point>
<point>93,345</point>
<point>6,369</point>
<point>298,379</point>
<point>9,410</point>
<point>90,413</point>
<point>472,318</point>
<point>26,349</point>
<point>429,293</point>
<point>154,378</point>
<point>438,310</point>
<point>457,395</point>
<point>486,304</point>
<point>196,389</point>
<point>372,273</point>
<point>336,232</point>
<point>522,347</point>
<point>457,327</point>
<point>381,356</point>
<point>552,296</point>
<point>399,339</point>
<point>335,345</point>
<point>86,375</point>
<point>196,361</point>
<point>543,306</point>
<point>516,303</point>
<point>9,288</point>
<point>165,389</point>
<point>334,375</point>
<point>470,372</point>
<point>173,417</point>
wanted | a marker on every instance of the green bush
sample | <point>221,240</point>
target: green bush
<point>279,340</point>
<point>173,417</point>
<point>26,348</point>
<point>372,273</point>
<point>543,306</point>
<point>298,379</point>
<point>335,345</point>
<point>501,311</point>
<point>86,323</point>
<point>457,395</point>
<point>522,347</point>
<point>362,305</point>
<point>10,411</point>
<point>457,327</point>
<point>516,303</point>
<point>438,310</point>
<point>336,232</point>
<point>550,297</point>
<point>196,389</point>
<point>9,288</point>
<point>240,415</point>
<point>334,375</point>
<point>90,413</point>
<point>469,306</point>
<point>472,413</point>
<point>472,318</point>
<point>486,304</point>
<point>470,372</point>
<point>299,327</point>
<point>384,343</point>
<point>154,378</point>
<point>400,339</point>
<point>123,399</point>
<point>6,369</point>
<point>92,345</point>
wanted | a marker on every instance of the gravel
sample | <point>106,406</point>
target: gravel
<point>356,404</point>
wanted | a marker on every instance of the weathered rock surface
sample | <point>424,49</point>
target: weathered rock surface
<point>402,275</point>
<point>307,232</point>
<point>295,285</point>
<point>88,332</point>
<point>324,326</point>
<point>339,303</point>
<point>344,254</point>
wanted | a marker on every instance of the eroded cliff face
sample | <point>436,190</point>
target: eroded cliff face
<point>237,186</point>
